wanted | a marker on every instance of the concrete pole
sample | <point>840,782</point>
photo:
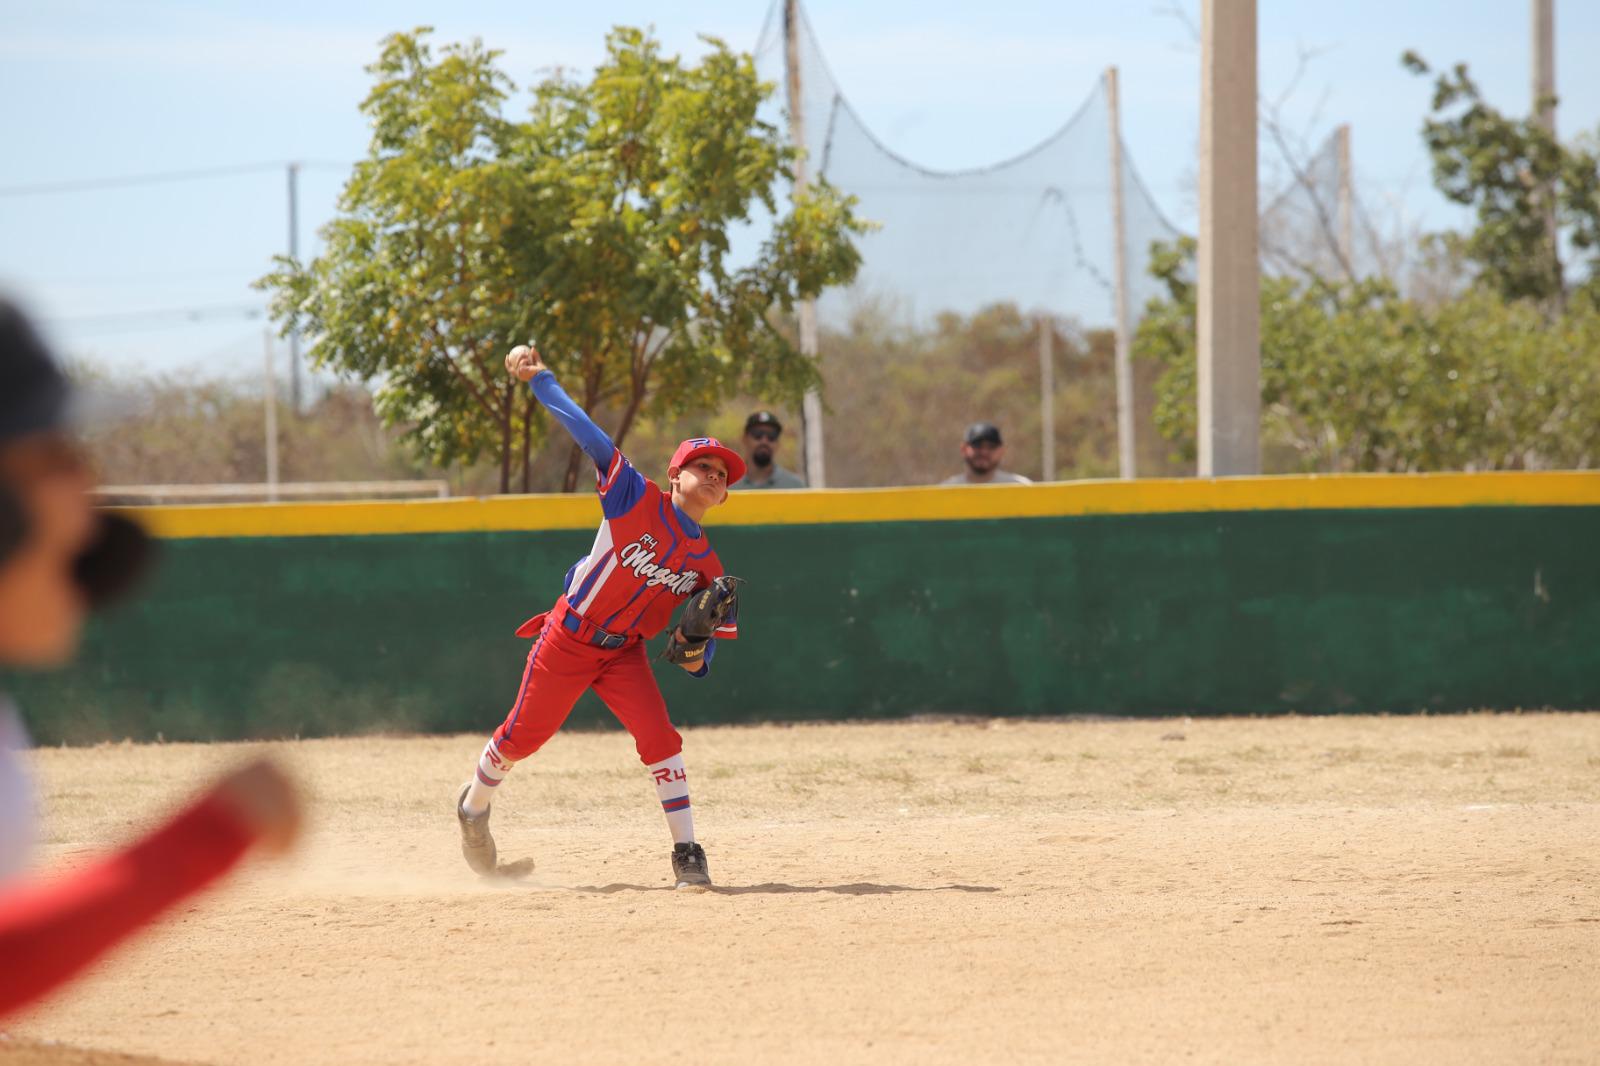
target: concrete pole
<point>1544,108</point>
<point>1047,396</point>
<point>1229,268</point>
<point>1347,202</point>
<point>294,253</point>
<point>1126,458</point>
<point>1544,63</point>
<point>271,402</point>
<point>806,312</point>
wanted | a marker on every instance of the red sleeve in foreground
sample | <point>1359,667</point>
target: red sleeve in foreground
<point>52,929</point>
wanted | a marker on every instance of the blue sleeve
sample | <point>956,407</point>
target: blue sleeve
<point>590,437</point>
<point>619,484</point>
<point>705,664</point>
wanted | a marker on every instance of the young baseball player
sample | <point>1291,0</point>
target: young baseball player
<point>650,555</point>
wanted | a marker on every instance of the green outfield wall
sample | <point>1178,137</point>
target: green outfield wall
<point>1195,597</point>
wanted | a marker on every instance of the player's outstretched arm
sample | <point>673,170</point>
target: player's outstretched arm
<point>50,930</point>
<point>524,364</point>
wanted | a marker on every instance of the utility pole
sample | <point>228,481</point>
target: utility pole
<point>1347,202</point>
<point>271,401</point>
<point>294,253</point>
<point>1229,318</point>
<point>1544,63</point>
<point>806,311</point>
<point>1544,106</point>
<point>1126,457</point>
<point>1047,394</point>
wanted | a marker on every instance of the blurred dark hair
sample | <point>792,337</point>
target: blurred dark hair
<point>33,399</point>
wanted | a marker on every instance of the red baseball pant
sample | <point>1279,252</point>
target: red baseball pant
<point>560,667</point>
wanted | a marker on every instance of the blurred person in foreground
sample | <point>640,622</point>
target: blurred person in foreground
<point>59,559</point>
<point>761,433</point>
<point>982,450</point>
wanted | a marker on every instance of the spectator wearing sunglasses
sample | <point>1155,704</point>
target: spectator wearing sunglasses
<point>761,433</point>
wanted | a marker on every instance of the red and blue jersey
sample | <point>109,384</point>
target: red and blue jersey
<point>648,556</point>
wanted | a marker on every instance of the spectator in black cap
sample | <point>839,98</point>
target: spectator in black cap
<point>982,450</point>
<point>761,433</point>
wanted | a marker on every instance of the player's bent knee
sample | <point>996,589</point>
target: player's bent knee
<point>654,748</point>
<point>516,745</point>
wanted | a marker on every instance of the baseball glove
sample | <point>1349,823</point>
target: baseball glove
<point>707,609</point>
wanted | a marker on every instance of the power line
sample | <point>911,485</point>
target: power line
<point>117,321</point>
<point>163,178</point>
<point>141,279</point>
<point>90,184</point>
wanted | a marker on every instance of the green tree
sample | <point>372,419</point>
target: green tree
<point>177,429</point>
<point>902,392</point>
<point>1497,374</point>
<point>1515,174</point>
<point>600,225</point>
<point>1355,378</point>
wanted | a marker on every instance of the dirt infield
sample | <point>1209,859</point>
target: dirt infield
<point>1288,890</point>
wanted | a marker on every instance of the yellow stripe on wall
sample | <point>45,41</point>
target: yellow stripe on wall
<point>1152,496</point>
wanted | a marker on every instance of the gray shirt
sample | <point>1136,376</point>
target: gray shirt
<point>17,831</point>
<point>780,479</point>
<point>999,477</point>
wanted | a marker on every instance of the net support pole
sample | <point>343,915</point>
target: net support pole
<point>1347,202</point>
<point>270,400</point>
<point>806,311</point>
<point>1047,396</point>
<point>1229,318</point>
<point>1544,63</point>
<point>1126,459</point>
<point>294,253</point>
<point>1544,100</point>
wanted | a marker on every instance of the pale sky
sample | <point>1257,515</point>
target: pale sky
<point>104,89</point>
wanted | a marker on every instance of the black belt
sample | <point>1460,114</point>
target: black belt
<point>599,637</point>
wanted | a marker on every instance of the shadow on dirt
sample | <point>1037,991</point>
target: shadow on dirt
<point>858,888</point>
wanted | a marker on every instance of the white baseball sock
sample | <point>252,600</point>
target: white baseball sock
<point>672,788</point>
<point>492,769</point>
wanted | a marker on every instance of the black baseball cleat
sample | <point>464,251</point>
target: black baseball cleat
<point>689,866</point>
<point>477,843</point>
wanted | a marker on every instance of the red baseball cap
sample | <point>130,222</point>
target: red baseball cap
<point>695,447</point>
